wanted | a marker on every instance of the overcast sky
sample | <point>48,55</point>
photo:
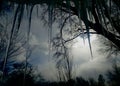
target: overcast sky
<point>84,65</point>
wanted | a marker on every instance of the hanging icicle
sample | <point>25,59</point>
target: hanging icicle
<point>50,21</point>
<point>28,46</point>
<point>84,16</point>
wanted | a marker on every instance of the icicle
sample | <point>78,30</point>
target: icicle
<point>19,20</point>
<point>28,37</point>
<point>30,17</point>
<point>84,15</point>
<point>80,21</point>
<point>88,30</point>
<point>37,10</point>
<point>50,20</point>
<point>81,27</point>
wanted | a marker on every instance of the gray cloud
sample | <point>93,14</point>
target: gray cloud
<point>84,65</point>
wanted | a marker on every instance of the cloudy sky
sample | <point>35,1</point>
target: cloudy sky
<point>84,65</point>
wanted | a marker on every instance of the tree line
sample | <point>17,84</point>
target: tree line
<point>16,77</point>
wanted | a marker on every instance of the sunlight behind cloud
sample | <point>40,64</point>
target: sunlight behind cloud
<point>80,48</point>
<point>80,51</point>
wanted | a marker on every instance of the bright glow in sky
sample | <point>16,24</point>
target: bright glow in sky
<point>83,65</point>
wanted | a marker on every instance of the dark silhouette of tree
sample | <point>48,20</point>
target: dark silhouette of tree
<point>71,82</point>
<point>40,81</point>
<point>12,45</point>
<point>81,82</point>
<point>100,15</point>
<point>114,76</point>
<point>64,65</point>
<point>101,80</point>
<point>9,56</point>
<point>16,77</point>
<point>92,82</point>
<point>63,58</point>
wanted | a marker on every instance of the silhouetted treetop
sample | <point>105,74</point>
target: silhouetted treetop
<point>100,15</point>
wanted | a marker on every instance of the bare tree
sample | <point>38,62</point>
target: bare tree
<point>12,44</point>
<point>100,16</point>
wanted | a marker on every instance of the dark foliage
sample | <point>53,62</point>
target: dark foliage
<point>16,78</point>
<point>101,80</point>
<point>114,76</point>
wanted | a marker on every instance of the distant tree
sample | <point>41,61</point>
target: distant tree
<point>81,82</point>
<point>12,44</point>
<point>16,77</point>
<point>92,82</point>
<point>101,80</point>
<point>71,82</point>
<point>64,65</point>
<point>10,47</point>
<point>39,80</point>
<point>64,60</point>
<point>114,76</point>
